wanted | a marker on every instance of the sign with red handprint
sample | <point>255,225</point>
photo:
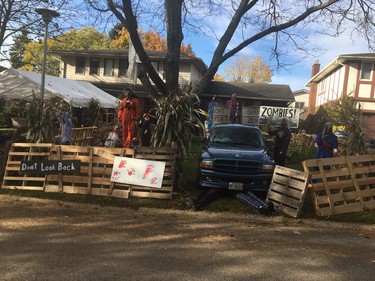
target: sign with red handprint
<point>138,171</point>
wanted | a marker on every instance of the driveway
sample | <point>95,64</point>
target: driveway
<point>51,240</point>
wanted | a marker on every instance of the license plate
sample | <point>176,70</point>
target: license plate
<point>235,186</point>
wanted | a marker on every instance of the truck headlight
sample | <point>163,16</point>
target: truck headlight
<point>206,164</point>
<point>268,168</point>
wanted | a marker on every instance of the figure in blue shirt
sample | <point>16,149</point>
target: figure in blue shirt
<point>326,142</point>
<point>66,127</point>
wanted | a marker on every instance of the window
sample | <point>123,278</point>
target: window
<point>299,105</point>
<point>80,65</point>
<point>94,66</point>
<point>123,68</point>
<point>366,71</point>
<point>108,67</point>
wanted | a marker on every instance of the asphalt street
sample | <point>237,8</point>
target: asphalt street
<point>51,240</point>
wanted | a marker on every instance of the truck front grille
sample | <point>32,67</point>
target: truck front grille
<point>237,166</point>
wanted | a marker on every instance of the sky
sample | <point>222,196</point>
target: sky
<point>298,75</point>
<point>299,70</point>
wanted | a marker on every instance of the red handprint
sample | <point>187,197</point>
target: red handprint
<point>116,175</point>
<point>122,164</point>
<point>154,180</point>
<point>149,169</point>
<point>131,172</point>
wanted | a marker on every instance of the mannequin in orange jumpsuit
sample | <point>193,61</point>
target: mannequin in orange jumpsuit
<point>129,113</point>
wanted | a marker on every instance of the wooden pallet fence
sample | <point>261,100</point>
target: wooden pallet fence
<point>13,178</point>
<point>95,172</point>
<point>288,190</point>
<point>342,184</point>
<point>164,154</point>
<point>83,136</point>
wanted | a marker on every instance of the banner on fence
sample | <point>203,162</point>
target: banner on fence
<point>138,171</point>
<point>51,166</point>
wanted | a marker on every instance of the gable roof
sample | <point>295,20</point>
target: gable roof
<point>19,84</point>
<point>338,62</point>
<point>251,91</point>
<point>153,55</point>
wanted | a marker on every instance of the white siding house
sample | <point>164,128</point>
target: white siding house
<point>351,75</point>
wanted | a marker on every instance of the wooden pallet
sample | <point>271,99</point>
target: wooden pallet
<point>165,154</point>
<point>83,136</point>
<point>13,178</point>
<point>288,190</point>
<point>95,172</point>
<point>342,184</point>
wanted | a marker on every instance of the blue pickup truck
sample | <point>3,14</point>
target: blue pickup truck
<point>235,157</point>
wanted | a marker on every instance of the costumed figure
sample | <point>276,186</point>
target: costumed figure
<point>326,142</point>
<point>129,113</point>
<point>283,135</point>
<point>146,129</point>
<point>66,127</point>
<point>211,108</point>
<point>233,105</point>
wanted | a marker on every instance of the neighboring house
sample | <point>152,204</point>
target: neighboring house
<point>301,102</point>
<point>108,70</point>
<point>348,74</point>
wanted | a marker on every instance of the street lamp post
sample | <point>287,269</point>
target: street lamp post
<point>47,16</point>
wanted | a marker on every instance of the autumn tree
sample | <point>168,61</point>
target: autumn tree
<point>82,39</point>
<point>246,69</point>
<point>286,23</point>
<point>218,77</point>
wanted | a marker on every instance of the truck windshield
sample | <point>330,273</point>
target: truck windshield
<point>237,136</point>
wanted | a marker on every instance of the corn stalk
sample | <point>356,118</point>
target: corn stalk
<point>178,119</point>
<point>347,112</point>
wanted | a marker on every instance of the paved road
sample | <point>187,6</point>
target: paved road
<point>49,240</point>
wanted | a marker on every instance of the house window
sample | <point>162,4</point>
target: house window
<point>108,67</point>
<point>299,105</point>
<point>366,71</point>
<point>80,65</point>
<point>123,66</point>
<point>94,66</point>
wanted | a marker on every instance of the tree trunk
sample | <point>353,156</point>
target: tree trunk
<point>173,9</point>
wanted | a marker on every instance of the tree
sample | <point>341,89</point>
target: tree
<point>18,15</point>
<point>287,23</point>
<point>246,69</point>
<point>82,39</point>
<point>17,50</point>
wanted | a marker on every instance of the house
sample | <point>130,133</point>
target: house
<point>108,70</point>
<point>301,102</point>
<point>347,74</point>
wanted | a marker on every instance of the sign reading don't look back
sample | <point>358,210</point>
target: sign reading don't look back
<point>51,166</point>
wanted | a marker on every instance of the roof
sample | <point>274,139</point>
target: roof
<point>153,55</point>
<point>301,92</point>
<point>338,62</point>
<point>19,84</point>
<point>255,91</point>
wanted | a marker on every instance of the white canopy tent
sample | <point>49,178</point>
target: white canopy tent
<point>19,84</point>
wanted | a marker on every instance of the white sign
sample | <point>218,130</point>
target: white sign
<point>138,171</point>
<point>273,115</point>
